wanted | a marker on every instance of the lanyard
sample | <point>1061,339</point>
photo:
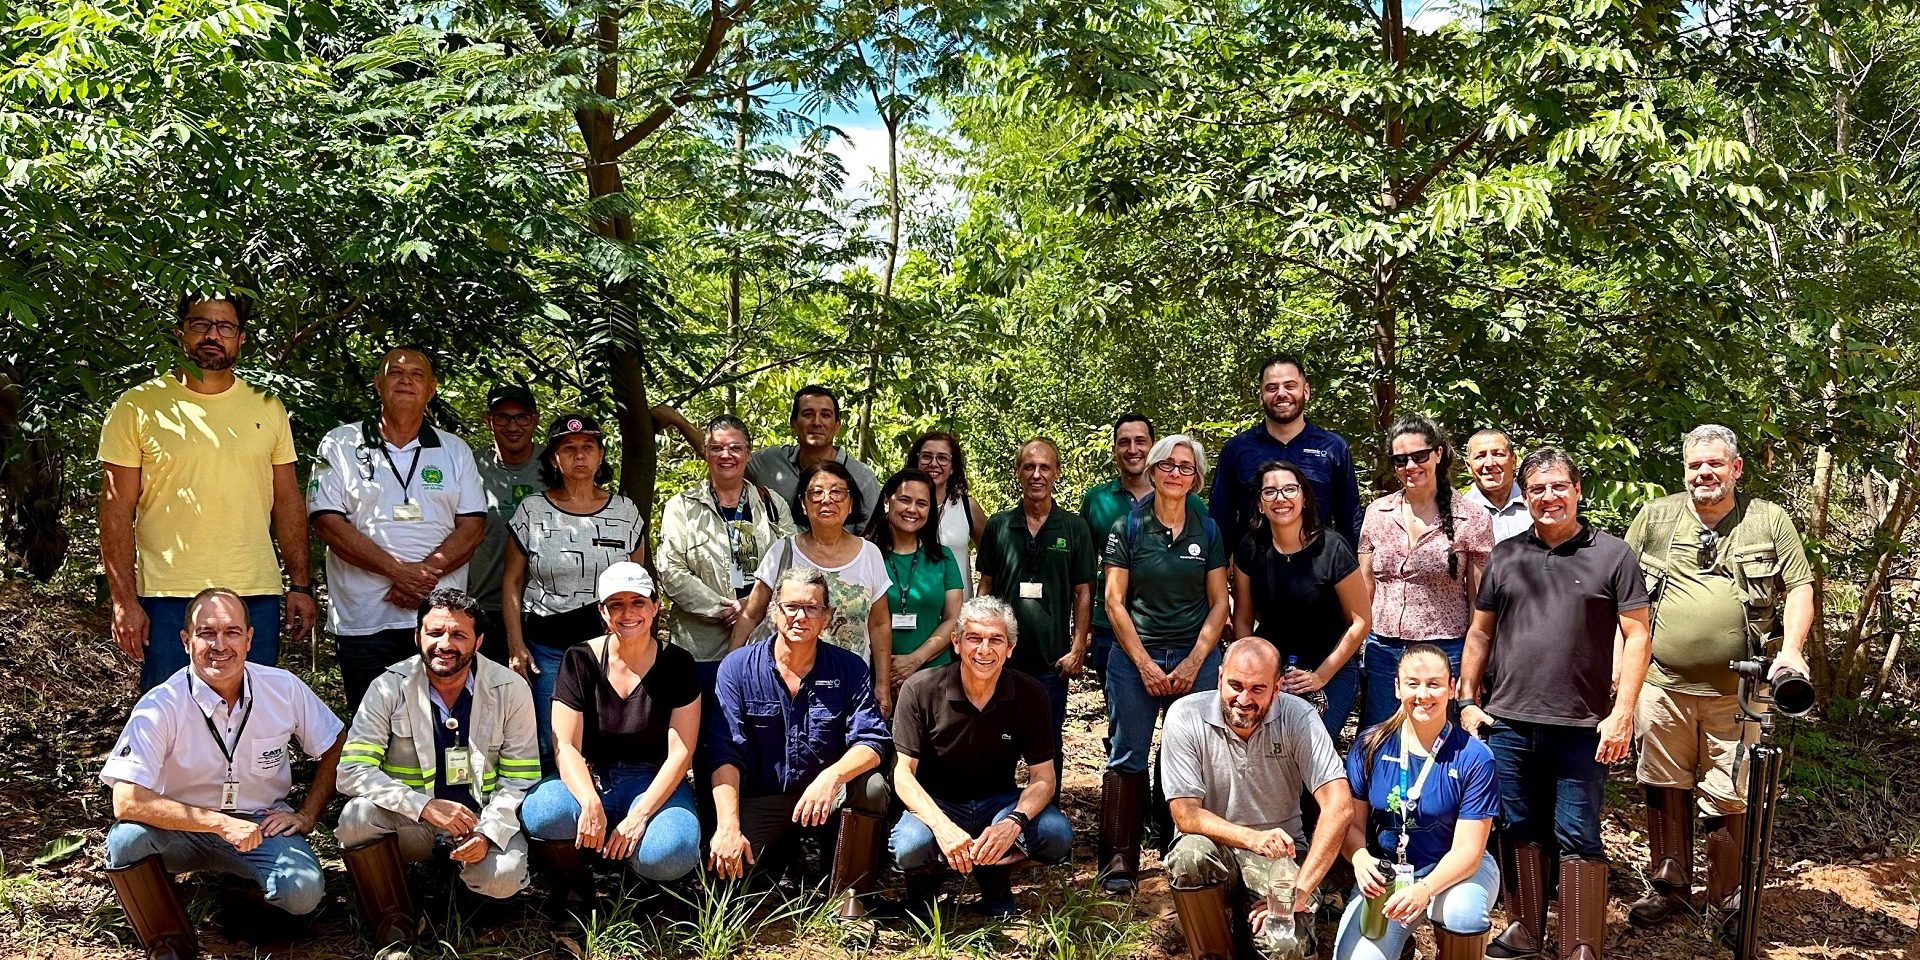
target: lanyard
<point>448,720</point>
<point>1410,794</point>
<point>226,750</point>
<point>742,511</point>
<point>912,568</point>
<point>406,481</point>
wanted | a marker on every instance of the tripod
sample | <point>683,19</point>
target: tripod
<point>1794,697</point>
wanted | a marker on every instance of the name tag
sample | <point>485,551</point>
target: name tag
<point>409,512</point>
<point>457,772</point>
<point>906,621</point>
<point>229,796</point>
<point>736,578</point>
<point>1032,591</point>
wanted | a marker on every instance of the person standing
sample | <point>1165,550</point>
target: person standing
<point>1286,434</point>
<point>1490,463</point>
<point>816,425</point>
<point>1544,622</point>
<point>1729,580</point>
<point>938,455</point>
<point>198,485</point>
<point>511,474</point>
<point>401,508</point>
<point>924,600</point>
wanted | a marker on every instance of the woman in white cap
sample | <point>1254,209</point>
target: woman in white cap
<point>562,541</point>
<point>626,715</point>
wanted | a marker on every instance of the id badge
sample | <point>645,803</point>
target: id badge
<point>736,578</point>
<point>906,621</point>
<point>458,773</point>
<point>229,796</point>
<point>1031,590</point>
<point>408,511</point>
<point>1402,876</point>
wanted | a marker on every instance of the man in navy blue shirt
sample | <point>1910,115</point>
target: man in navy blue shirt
<point>797,743</point>
<point>1286,434</point>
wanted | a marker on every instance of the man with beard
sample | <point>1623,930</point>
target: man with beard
<point>816,423</point>
<point>1729,580</point>
<point>1234,762</point>
<point>1286,434</point>
<point>1490,462</point>
<point>400,507</point>
<point>1105,504</point>
<point>417,781</point>
<point>511,474</point>
<point>199,484</point>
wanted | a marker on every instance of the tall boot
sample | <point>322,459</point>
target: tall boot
<point>572,879</point>
<point>1583,908</point>
<point>380,882</point>
<point>1122,797</point>
<point>1726,847</point>
<point>1448,945</point>
<point>923,891</point>
<point>856,860</point>
<point>1523,885</point>
<point>1206,917</point>
<point>153,909</point>
<point>1670,836</point>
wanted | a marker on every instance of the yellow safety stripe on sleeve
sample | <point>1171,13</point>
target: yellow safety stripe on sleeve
<point>363,746</point>
<point>510,765</point>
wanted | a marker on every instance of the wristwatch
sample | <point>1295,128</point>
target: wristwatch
<point>306,588</point>
<point>1466,702</point>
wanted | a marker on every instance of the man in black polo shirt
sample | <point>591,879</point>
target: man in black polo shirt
<point>1040,560</point>
<point>1544,623</point>
<point>971,722</point>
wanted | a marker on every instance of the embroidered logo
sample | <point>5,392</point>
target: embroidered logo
<point>574,425</point>
<point>433,475</point>
<point>1193,549</point>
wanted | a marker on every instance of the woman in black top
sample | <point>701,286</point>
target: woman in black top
<point>1299,586</point>
<point>626,714</point>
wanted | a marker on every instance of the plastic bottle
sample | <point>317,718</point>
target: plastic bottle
<point>1317,697</point>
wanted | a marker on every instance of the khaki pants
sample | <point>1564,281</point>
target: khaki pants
<point>498,875</point>
<point>1197,861</point>
<point>1688,741</point>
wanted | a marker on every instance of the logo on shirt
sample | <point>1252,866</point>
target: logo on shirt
<point>521,491</point>
<point>1193,549</point>
<point>124,751</point>
<point>823,684</point>
<point>433,477</point>
<point>1006,736</point>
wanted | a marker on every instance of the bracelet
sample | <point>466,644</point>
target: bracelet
<point>1466,702</point>
<point>1019,819</point>
<point>306,588</point>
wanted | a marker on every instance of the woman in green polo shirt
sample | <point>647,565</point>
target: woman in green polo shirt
<point>924,600</point>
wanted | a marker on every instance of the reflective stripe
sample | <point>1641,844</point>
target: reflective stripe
<point>506,764</point>
<point>364,747</point>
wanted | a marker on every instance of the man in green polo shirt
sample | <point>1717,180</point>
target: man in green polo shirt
<point>1039,558</point>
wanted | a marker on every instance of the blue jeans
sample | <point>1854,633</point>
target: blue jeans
<point>1049,839</point>
<point>1132,712</point>
<point>167,616</point>
<point>283,866</point>
<point>669,850</point>
<point>1341,692</point>
<point>1551,788</point>
<point>1383,672</point>
<point>548,659</point>
<point>1099,653</point>
<point>1461,908</point>
<point>1056,687</point>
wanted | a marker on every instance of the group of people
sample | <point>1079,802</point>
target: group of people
<point>870,664</point>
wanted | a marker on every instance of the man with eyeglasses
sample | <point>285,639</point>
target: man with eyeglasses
<point>796,745</point>
<point>1549,607</point>
<point>1490,463</point>
<point>198,487</point>
<point>815,420</point>
<point>1729,580</point>
<point>509,475</point>
<point>1285,433</point>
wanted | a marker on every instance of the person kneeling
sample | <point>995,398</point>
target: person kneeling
<point>960,731</point>
<point>200,778</point>
<point>1420,846</point>
<point>1234,763</point>
<point>416,778</point>
<point>797,742</point>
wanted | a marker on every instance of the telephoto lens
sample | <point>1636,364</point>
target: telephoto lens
<point>1793,693</point>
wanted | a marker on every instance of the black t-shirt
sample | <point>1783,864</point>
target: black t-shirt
<point>1296,604</point>
<point>632,729</point>
<point>967,754</point>
<point>1557,609</point>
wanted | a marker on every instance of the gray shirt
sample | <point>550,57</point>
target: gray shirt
<point>506,485</point>
<point>778,469</point>
<point>1255,782</point>
<point>1509,521</point>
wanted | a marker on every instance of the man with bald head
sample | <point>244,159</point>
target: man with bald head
<point>1234,762</point>
<point>400,507</point>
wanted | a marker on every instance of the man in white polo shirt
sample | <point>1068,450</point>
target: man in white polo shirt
<point>401,508</point>
<point>200,779</point>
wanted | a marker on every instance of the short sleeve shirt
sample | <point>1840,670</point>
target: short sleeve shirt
<point>633,728</point>
<point>778,469</point>
<point>204,516</point>
<point>1416,596</point>
<point>1296,598</point>
<point>968,753</point>
<point>1556,610</point>
<point>566,552</point>
<point>919,591</point>
<point>361,477</point>
<point>1257,781</point>
<point>505,485</point>
<point>1463,785</point>
<point>852,589</point>
<point>167,747</point>
<point>1035,573</point>
<point>1166,574</point>
<point>1102,505</point>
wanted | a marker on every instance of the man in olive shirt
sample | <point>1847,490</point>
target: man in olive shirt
<point>511,474</point>
<point>1039,559</point>
<point>1727,573</point>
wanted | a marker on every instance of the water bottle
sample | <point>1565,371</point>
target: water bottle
<point>1373,914</point>
<point>1279,939</point>
<point>1317,697</point>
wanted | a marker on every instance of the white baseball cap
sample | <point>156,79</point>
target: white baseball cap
<point>625,577</point>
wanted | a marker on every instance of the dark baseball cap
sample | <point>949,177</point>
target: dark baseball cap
<point>509,393</point>
<point>568,424</point>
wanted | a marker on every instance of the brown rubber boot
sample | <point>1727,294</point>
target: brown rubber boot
<point>572,879</point>
<point>1123,798</point>
<point>1583,908</point>
<point>1448,945</point>
<point>1670,837</point>
<point>1523,886</point>
<point>380,882</point>
<point>1726,847</point>
<point>153,909</point>
<point>856,860</point>
<point>1206,917</point>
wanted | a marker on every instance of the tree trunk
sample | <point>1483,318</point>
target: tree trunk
<point>737,217</point>
<point>891,118</point>
<point>1818,645</point>
<point>1385,311</point>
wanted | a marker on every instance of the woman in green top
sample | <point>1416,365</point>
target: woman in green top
<point>926,592</point>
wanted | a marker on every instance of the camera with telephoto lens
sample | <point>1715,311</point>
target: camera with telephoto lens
<point>1792,692</point>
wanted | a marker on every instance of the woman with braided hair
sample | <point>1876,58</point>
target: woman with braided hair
<point>1421,549</point>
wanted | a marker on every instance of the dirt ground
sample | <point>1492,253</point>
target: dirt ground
<point>1845,880</point>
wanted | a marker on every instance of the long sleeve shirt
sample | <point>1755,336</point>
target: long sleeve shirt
<point>780,743</point>
<point>1320,453</point>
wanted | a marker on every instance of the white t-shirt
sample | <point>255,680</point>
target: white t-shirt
<point>956,534</point>
<point>566,552</point>
<point>852,589</point>
<point>167,748</point>
<point>372,489</point>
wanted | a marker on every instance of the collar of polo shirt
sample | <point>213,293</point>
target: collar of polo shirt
<point>210,700</point>
<point>370,437</point>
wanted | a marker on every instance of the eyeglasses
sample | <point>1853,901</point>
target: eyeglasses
<point>803,611</point>
<point>1401,460</point>
<point>513,419</point>
<point>225,328</point>
<point>716,449</point>
<point>1539,490</point>
<point>1183,469</point>
<point>1289,492</point>
<point>834,495</point>
<point>937,459</point>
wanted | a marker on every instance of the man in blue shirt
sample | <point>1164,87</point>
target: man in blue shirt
<point>1286,434</point>
<point>797,742</point>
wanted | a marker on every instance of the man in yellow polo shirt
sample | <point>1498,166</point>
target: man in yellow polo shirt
<point>199,484</point>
